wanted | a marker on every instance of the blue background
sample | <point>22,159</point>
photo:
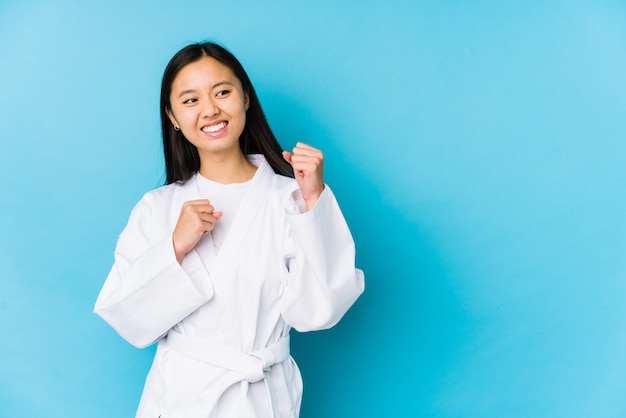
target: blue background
<point>477,149</point>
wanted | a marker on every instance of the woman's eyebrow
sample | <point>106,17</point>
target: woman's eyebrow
<point>182,93</point>
<point>221,83</point>
<point>189,91</point>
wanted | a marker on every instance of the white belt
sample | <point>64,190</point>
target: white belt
<point>252,367</point>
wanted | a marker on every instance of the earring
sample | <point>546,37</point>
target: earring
<point>176,128</point>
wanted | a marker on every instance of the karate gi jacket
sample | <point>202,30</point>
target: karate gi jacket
<point>222,318</point>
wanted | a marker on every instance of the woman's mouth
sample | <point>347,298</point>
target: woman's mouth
<point>214,129</point>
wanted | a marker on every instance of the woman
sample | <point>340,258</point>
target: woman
<point>218,265</point>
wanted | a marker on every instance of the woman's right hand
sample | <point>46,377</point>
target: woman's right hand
<point>196,219</point>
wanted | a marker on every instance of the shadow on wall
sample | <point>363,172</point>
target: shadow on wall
<point>388,352</point>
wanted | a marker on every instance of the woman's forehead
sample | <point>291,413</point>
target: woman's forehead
<point>205,72</point>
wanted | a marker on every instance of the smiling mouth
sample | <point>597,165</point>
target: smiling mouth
<point>214,128</point>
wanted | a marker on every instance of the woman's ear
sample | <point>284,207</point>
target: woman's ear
<point>247,103</point>
<point>172,118</point>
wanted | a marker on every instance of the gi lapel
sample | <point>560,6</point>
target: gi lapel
<point>204,251</point>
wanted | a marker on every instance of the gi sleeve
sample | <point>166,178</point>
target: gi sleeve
<point>147,292</point>
<point>321,281</point>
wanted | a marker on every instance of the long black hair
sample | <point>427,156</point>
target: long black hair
<point>182,160</point>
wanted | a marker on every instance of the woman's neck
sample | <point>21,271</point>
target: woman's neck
<point>226,169</point>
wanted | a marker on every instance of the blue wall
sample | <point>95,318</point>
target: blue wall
<point>477,149</point>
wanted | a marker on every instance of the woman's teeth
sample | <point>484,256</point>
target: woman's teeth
<point>214,128</point>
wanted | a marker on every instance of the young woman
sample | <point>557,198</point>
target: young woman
<point>244,243</point>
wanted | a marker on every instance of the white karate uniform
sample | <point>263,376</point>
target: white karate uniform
<point>222,318</point>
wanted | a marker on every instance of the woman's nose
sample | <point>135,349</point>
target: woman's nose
<point>209,108</point>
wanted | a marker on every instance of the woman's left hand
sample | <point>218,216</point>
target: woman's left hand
<point>308,168</point>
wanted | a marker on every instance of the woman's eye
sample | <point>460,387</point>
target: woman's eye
<point>189,101</point>
<point>223,93</point>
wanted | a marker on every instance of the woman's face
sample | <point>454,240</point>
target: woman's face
<point>209,106</point>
